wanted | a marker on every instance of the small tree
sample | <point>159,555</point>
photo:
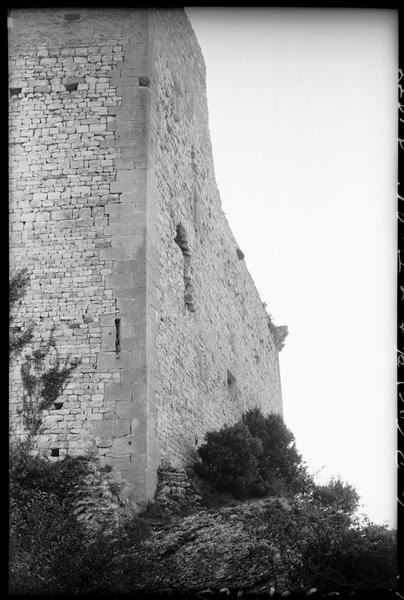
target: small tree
<point>230,460</point>
<point>253,458</point>
<point>337,495</point>
<point>280,465</point>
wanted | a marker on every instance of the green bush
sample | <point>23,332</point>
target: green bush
<point>253,458</point>
<point>280,465</point>
<point>50,551</point>
<point>230,460</point>
<point>30,474</point>
<point>320,547</point>
<point>338,495</point>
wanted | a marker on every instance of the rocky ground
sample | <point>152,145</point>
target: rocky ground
<point>205,548</point>
<point>214,549</point>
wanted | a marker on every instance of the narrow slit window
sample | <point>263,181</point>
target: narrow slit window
<point>57,405</point>
<point>231,385</point>
<point>181,241</point>
<point>54,452</point>
<point>117,336</point>
<point>144,81</point>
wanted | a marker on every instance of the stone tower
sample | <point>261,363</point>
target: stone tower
<point>115,213</point>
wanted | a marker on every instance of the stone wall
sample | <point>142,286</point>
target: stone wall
<point>215,353</point>
<point>77,218</point>
<point>115,213</point>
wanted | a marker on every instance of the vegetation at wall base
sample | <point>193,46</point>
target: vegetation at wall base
<point>283,533</point>
<point>254,458</point>
<point>334,548</point>
<point>51,550</point>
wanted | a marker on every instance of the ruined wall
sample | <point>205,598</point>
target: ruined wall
<point>215,355</point>
<point>115,213</point>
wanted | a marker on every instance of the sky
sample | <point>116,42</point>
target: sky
<point>303,120</point>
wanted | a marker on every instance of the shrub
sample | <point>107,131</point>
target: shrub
<point>230,461</point>
<point>31,474</point>
<point>50,551</point>
<point>321,548</point>
<point>338,495</point>
<point>280,465</point>
<point>253,458</point>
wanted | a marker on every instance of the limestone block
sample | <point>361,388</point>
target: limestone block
<point>122,446</point>
<point>126,410</point>
<point>111,428</point>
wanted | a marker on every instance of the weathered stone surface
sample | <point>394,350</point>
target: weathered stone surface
<point>115,213</point>
<point>228,547</point>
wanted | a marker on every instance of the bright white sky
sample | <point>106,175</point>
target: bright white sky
<point>303,120</point>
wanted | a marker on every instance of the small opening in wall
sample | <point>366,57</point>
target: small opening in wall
<point>54,452</point>
<point>240,255</point>
<point>231,385</point>
<point>117,336</point>
<point>57,405</point>
<point>72,17</point>
<point>14,91</point>
<point>144,81</point>
<point>71,87</point>
<point>181,241</point>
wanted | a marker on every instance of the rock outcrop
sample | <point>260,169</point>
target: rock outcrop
<point>228,547</point>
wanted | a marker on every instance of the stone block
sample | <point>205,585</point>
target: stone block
<point>119,463</point>
<point>111,428</point>
<point>121,280</point>
<point>108,338</point>
<point>119,392</point>
<point>122,446</point>
<point>120,228</point>
<point>126,410</point>
<point>128,243</point>
<point>61,215</point>
<point>107,361</point>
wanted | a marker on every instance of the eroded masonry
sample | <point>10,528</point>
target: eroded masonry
<point>115,213</point>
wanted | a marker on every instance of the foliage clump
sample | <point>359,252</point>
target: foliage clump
<point>51,548</point>
<point>230,460</point>
<point>256,457</point>
<point>42,386</point>
<point>18,337</point>
<point>313,539</point>
<point>321,546</point>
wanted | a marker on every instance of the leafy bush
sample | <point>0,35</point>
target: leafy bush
<point>280,465</point>
<point>230,460</point>
<point>51,551</point>
<point>17,338</point>
<point>253,458</point>
<point>337,494</point>
<point>30,474</point>
<point>320,547</point>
